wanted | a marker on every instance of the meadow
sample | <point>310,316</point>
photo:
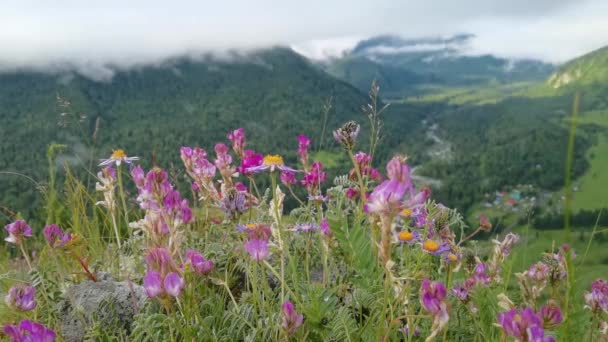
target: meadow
<point>239,246</point>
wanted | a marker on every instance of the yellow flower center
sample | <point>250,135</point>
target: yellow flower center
<point>405,236</point>
<point>250,226</point>
<point>275,160</point>
<point>430,245</point>
<point>406,212</point>
<point>453,257</point>
<point>118,154</point>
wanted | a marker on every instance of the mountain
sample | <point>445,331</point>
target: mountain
<point>406,66</point>
<point>583,71</point>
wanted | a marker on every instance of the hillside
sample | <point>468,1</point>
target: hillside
<point>274,94</point>
<point>583,71</point>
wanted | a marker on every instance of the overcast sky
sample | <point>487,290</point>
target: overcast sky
<point>91,34</point>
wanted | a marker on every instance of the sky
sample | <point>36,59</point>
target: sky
<point>92,35</point>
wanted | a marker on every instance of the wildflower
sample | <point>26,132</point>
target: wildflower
<point>55,236</point>
<point>199,264</point>
<point>419,199</point>
<point>523,325</point>
<point>551,315</point>
<point>234,203</point>
<point>118,157</point>
<point>291,320</point>
<point>237,137</point>
<point>347,134</point>
<point>257,249</point>
<point>17,231</point>
<point>223,162</point>
<point>364,162</point>
<point>484,223</point>
<point>432,299</point>
<point>250,159</point>
<point>153,284</point>
<point>352,193</point>
<point>386,198</point>
<point>303,145</point>
<point>461,292</point>
<point>160,259</point>
<point>21,297</point>
<point>29,331</point>
<point>597,298</point>
<point>272,163</point>
<point>480,275</point>
<point>314,178</point>
<point>173,284</point>
<point>434,248</point>
<point>538,272</point>
<point>306,227</point>
<point>325,228</point>
<point>288,178</point>
<point>398,170</point>
<point>408,237</point>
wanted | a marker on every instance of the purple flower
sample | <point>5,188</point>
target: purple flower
<point>399,171</point>
<point>153,284</point>
<point>551,315</point>
<point>21,297</point>
<point>597,298</point>
<point>461,292</point>
<point>28,331</point>
<point>288,178</point>
<point>237,138</point>
<point>432,299</point>
<point>250,159</point>
<point>538,272</point>
<point>419,199</point>
<point>17,231</point>
<point>314,178</point>
<point>198,262</point>
<point>303,145</point>
<point>386,199</point>
<point>257,249</point>
<point>325,228</point>
<point>55,236</point>
<point>306,227</point>
<point>291,320</point>
<point>173,284</point>
<point>234,203</point>
<point>480,274</point>
<point>537,334</point>
<point>160,259</point>
<point>516,323</point>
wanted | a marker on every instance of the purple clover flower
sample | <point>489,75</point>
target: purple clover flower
<point>22,298</point>
<point>597,298</point>
<point>17,231</point>
<point>28,331</point>
<point>237,138</point>
<point>55,236</point>
<point>291,320</point>
<point>257,249</point>
<point>199,264</point>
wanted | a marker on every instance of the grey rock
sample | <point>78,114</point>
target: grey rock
<point>106,302</point>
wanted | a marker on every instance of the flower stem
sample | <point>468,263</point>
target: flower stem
<point>27,258</point>
<point>122,198</point>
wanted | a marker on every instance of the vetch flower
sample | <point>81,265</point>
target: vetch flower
<point>386,199</point>
<point>21,298</point>
<point>272,163</point>
<point>28,331</point>
<point>288,178</point>
<point>17,231</point>
<point>237,137</point>
<point>199,264</point>
<point>597,298</point>
<point>325,228</point>
<point>173,284</point>
<point>303,145</point>
<point>551,315</point>
<point>291,320</point>
<point>461,292</point>
<point>250,159</point>
<point>523,325</point>
<point>314,178</point>
<point>432,299</point>
<point>153,284</point>
<point>257,249</point>
<point>55,236</point>
<point>118,157</point>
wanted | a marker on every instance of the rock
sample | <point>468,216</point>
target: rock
<point>107,302</point>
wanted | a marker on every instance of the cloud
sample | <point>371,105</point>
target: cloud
<point>99,37</point>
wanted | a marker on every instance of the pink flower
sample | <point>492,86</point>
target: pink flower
<point>250,159</point>
<point>198,262</point>
<point>21,298</point>
<point>160,259</point>
<point>173,284</point>
<point>153,284</point>
<point>398,170</point>
<point>291,320</point>
<point>28,331</point>
<point>288,178</point>
<point>597,298</point>
<point>386,199</point>
<point>523,325</point>
<point>313,179</point>
<point>17,231</point>
<point>257,249</point>
<point>237,137</point>
<point>551,315</point>
<point>432,299</point>
<point>325,228</point>
<point>303,145</point>
<point>55,236</point>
